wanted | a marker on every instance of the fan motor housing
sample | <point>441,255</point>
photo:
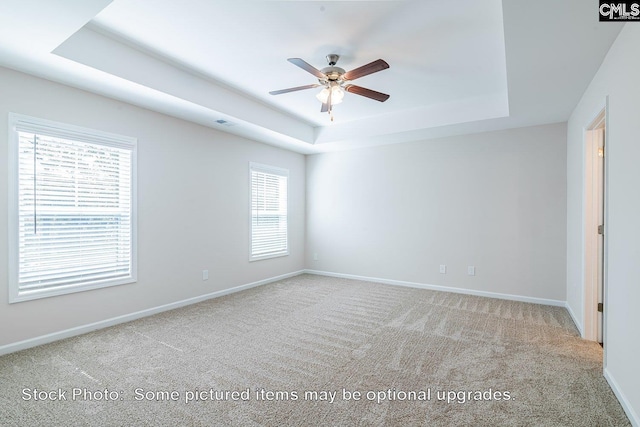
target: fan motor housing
<point>333,73</point>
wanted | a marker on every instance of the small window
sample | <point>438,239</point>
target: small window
<point>269,188</point>
<point>71,209</point>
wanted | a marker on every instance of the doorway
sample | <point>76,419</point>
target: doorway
<point>595,229</point>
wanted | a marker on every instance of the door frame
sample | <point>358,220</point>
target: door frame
<point>591,212</point>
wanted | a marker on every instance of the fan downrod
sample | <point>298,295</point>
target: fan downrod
<point>332,59</point>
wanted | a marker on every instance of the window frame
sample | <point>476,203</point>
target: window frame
<point>273,170</point>
<point>22,123</point>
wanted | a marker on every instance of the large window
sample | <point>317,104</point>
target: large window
<point>269,187</point>
<point>71,209</point>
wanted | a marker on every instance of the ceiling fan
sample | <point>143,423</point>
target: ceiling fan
<point>335,81</point>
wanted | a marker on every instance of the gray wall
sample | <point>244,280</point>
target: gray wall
<point>617,79</point>
<point>193,200</point>
<point>495,200</point>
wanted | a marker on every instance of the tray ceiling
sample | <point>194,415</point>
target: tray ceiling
<point>455,67</point>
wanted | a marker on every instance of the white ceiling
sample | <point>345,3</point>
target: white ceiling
<point>455,67</point>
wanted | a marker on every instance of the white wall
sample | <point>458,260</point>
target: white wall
<point>617,79</point>
<point>193,200</point>
<point>494,200</point>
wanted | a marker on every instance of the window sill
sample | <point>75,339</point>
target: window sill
<point>67,289</point>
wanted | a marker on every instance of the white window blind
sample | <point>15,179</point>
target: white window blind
<point>269,187</point>
<point>73,227</point>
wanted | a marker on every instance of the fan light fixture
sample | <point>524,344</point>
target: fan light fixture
<point>336,95</point>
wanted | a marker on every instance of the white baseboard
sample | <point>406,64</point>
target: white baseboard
<point>631,414</point>
<point>533,300</point>
<point>79,330</point>
<point>575,319</point>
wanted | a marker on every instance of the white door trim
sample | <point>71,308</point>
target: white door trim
<point>592,220</point>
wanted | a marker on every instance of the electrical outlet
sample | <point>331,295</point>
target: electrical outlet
<point>443,269</point>
<point>471,270</point>
<point>205,274</point>
<point>315,256</point>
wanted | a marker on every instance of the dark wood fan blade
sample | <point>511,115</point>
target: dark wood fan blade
<point>370,68</point>
<point>362,91</point>
<point>307,67</point>
<point>293,89</point>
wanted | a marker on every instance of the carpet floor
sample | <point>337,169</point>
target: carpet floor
<point>319,351</point>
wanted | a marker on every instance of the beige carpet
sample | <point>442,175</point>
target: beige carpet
<point>485,362</point>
